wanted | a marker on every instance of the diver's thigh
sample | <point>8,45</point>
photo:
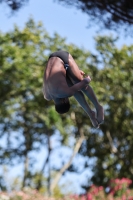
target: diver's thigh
<point>73,71</point>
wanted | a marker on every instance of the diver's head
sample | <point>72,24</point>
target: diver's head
<point>62,106</point>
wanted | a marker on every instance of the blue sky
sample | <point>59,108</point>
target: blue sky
<point>67,22</point>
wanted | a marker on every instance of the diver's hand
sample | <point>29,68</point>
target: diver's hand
<point>82,73</point>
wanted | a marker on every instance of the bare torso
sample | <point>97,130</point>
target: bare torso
<point>54,78</point>
<point>55,83</point>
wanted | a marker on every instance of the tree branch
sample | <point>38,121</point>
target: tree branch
<point>65,167</point>
<point>113,148</point>
<point>119,14</point>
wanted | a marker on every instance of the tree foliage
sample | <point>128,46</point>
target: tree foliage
<point>113,146</point>
<point>111,13</point>
<point>14,4</point>
<point>27,121</point>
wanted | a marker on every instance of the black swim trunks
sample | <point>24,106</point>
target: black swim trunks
<point>63,55</point>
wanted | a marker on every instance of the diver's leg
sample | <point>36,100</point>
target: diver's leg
<point>91,95</point>
<point>75,76</point>
<point>79,96</point>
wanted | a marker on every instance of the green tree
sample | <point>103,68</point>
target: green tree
<point>112,147</point>
<point>27,121</point>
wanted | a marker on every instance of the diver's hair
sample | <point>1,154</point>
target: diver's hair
<point>62,108</point>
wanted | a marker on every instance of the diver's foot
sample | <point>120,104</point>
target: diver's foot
<point>94,120</point>
<point>100,115</point>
